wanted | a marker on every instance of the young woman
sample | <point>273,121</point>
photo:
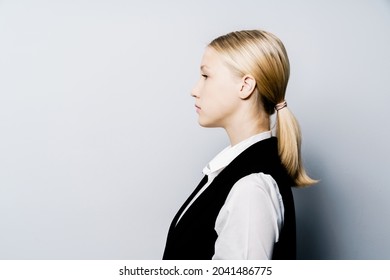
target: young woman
<point>243,208</point>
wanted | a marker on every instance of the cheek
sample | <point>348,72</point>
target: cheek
<point>211,97</point>
<point>225,95</point>
<point>215,94</point>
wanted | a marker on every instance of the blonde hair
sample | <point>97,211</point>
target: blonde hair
<point>262,55</point>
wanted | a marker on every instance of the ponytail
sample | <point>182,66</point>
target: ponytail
<point>289,145</point>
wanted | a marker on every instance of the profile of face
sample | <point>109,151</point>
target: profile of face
<point>217,92</point>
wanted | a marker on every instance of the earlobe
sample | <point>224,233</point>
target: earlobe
<point>247,87</point>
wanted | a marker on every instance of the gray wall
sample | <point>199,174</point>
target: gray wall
<point>99,142</point>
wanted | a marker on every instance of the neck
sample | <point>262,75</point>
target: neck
<point>244,130</point>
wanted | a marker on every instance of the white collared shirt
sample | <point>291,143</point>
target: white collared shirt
<point>251,218</point>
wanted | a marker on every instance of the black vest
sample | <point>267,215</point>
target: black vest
<point>193,237</point>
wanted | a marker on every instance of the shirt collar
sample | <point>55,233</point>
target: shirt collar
<point>227,155</point>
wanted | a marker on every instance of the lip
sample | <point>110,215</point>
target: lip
<point>197,108</point>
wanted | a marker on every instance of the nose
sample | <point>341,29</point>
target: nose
<point>195,91</point>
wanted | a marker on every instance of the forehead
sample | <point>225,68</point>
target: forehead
<point>210,59</point>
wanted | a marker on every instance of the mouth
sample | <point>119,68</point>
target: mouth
<point>197,108</point>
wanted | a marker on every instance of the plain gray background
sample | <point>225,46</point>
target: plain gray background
<point>99,141</point>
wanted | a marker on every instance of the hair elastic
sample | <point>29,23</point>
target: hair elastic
<point>281,105</point>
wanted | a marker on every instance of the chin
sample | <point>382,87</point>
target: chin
<point>207,124</point>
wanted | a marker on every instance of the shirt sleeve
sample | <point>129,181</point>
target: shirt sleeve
<point>249,222</point>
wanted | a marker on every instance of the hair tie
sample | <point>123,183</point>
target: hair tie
<point>280,105</point>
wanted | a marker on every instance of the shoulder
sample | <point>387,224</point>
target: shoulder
<point>255,183</point>
<point>256,191</point>
<point>256,199</point>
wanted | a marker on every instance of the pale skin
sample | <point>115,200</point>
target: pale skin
<point>222,99</point>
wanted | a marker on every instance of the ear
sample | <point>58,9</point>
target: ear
<point>248,86</point>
